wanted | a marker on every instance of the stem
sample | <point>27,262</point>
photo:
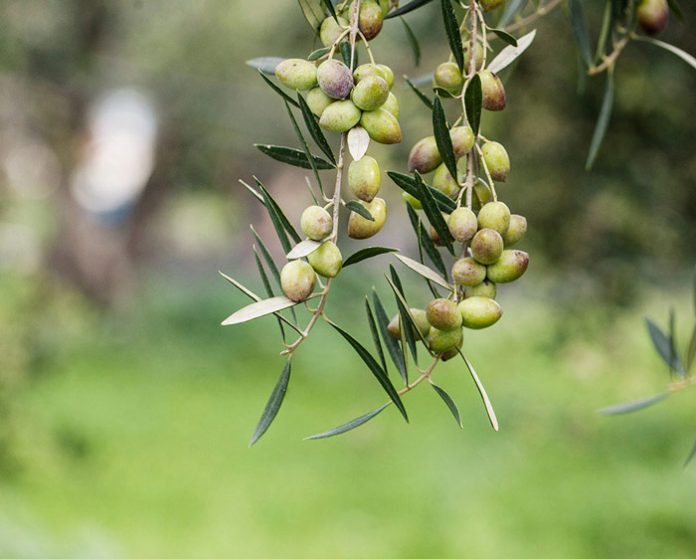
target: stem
<point>539,13</point>
<point>609,59</point>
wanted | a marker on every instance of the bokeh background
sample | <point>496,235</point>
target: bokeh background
<point>125,409</point>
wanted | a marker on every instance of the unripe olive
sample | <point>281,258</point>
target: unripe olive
<point>484,289</point>
<point>443,341</point>
<point>449,77</point>
<point>326,260</point>
<point>370,19</point>
<point>479,312</point>
<point>335,79</point>
<point>392,105</point>
<point>296,73</point>
<point>493,91</point>
<point>482,195</point>
<point>419,317</point>
<point>486,246</point>
<point>317,101</point>
<point>462,140</point>
<point>496,216</point>
<point>466,271</point>
<point>497,160</point>
<point>414,202</point>
<point>652,16</point>
<point>489,5</point>
<point>330,30</point>
<point>381,126</point>
<point>365,70</point>
<point>370,93</point>
<point>316,223</point>
<point>479,56</point>
<point>509,267</point>
<point>297,279</point>
<point>462,224</point>
<point>364,178</point>
<point>340,116</point>
<point>443,181</point>
<point>516,231</point>
<point>361,228</point>
<point>424,156</point>
<point>387,74</point>
<point>443,314</point>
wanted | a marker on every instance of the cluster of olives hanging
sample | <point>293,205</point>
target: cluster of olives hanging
<point>343,100</point>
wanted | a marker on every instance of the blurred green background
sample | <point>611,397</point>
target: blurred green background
<point>125,409</point>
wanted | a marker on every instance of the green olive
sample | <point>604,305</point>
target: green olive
<point>487,246</point>
<point>509,267</point>
<point>316,223</point>
<point>361,228</point>
<point>479,312</point>
<point>296,73</point>
<point>326,260</point>
<point>297,279</point>
<point>364,178</point>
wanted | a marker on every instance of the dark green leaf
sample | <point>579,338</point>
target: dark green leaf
<point>293,156</point>
<point>505,36</point>
<point>691,351</point>
<point>409,184</point>
<point>393,348</point>
<point>314,130</point>
<point>413,41</point>
<point>673,358</point>
<point>265,64</point>
<point>408,325</point>
<point>634,406</point>
<point>426,242</point>
<point>676,9</point>
<point>346,53</point>
<point>359,209</point>
<point>433,213</point>
<point>357,422</point>
<point>442,137</point>
<point>330,7</point>
<point>422,96</point>
<point>277,224</point>
<point>375,335</point>
<point>365,253</point>
<point>602,121</point>
<point>313,12</point>
<point>605,32</point>
<point>305,146</point>
<point>267,287</point>
<point>482,392</point>
<point>376,370</point>
<point>511,9</point>
<point>685,56</point>
<point>453,35</point>
<point>450,403</point>
<point>473,101</point>
<point>267,255</point>
<point>276,213</point>
<point>582,39</point>
<point>273,404</point>
<point>691,455</point>
<point>408,7</point>
<point>317,54</point>
<point>279,91</point>
<point>664,347</point>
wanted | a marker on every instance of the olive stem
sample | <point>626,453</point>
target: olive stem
<point>488,173</point>
<point>610,59</point>
<point>540,12</point>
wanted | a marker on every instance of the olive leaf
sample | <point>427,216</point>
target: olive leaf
<point>423,79</point>
<point>267,255</point>
<point>279,91</point>
<point>473,102</point>
<point>267,287</point>
<point>422,96</point>
<point>305,146</point>
<point>413,41</point>
<point>685,56</point>
<point>302,249</point>
<point>273,404</point>
<point>482,392</point>
<point>359,209</point>
<point>395,353</point>
<point>375,369</point>
<point>509,54</point>
<point>366,253</point>
<point>357,422</point>
<point>265,64</point>
<point>408,324</point>
<point>253,191</point>
<point>602,121</point>
<point>317,54</point>
<point>453,34</point>
<point>293,156</point>
<point>314,130</point>
<point>425,242</point>
<point>423,270</point>
<point>691,350</point>
<point>347,54</point>
<point>409,184</point>
<point>504,36</point>
<point>329,5</point>
<point>409,7</point>
<point>664,345</point>
<point>258,309</point>
<point>635,405</point>
<point>313,12</point>
<point>582,39</point>
<point>433,213</point>
<point>676,8</point>
<point>443,139</point>
<point>375,335</point>
<point>691,455</point>
<point>449,402</point>
<point>358,142</point>
<point>278,218</point>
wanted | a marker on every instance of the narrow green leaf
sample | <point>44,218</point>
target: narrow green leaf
<point>450,403</point>
<point>442,137</point>
<point>259,309</point>
<point>691,455</point>
<point>605,32</point>
<point>473,101</point>
<point>453,35</point>
<point>273,404</point>
<point>408,324</point>
<point>423,271</point>
<point>375,335</point>
<point>317,54</point>
<point>602,121</point>
<point>673,358</point>
<point>582,39</point>
<point>685,56</point>
<point>676,9</point>
<point>691,351</point>
<point>509,54</point>
<point>422,96</point>
<point>267,255</point>
<point>277,225</point>
<point>346,53</point>
<point>482,392</point>
<point>279,91</point>
<point>314,130</point>
<point>664,348</point>
<point>425,242</point>
<point>413,41</point>
<point>359,209</point>
<point>293,156</point>
<point>397,356</point>
<point>375,369</point>
<point>313,12</point>
<point>330,7</point>
<point>265,64</point>
<point>366,253</point>
<point>357,422</point>
<point>267,287</point>
<point>305,147</point>
<point>504,36</point>
<point>433,213</point>
<point>252,190</point>
<point>409,184</point>
<point>406,8</point>
<point>634,406</point>
<point>280,222</point>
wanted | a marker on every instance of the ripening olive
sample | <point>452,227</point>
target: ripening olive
<point>382,126</point>
<point>462,140</point>
<point>424,156</point>
<point>479,312</point>
<point>497,160</point>
<point>326,260</point>
<point>516,231</point>
<point>509,267</point>
<point>392,105</point>
<point>653,16</point>
<point>468,272</point>
<point>340,116</point>
<point>317,101</point>
<point>361,228</point>
<point>370,93</point>
<point>370,19</point>
<point>496,216</point>
<point>443,314</point>
<point>489,5</point>
<point>414,202</point>
<point>297,279</point>
<point>419,317</point>
<point>493,91</point>
<point>365,70</point>
<point>483,289</point>
<point>482,194</point>
<point>449,77</point>
<point>443,181</point>
<point>387,74</point>
<point>462,224</point>
<point>335,79</point>
<point>443,341</point>
<point>364,178</point>
<point>316,223</point>
<point>330,31</point>
<point>296,73</point>
<point>486,246</point>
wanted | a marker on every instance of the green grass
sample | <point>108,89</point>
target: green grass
<point>136,429</point>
